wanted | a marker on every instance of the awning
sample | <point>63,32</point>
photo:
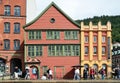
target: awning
<point>77,65</point>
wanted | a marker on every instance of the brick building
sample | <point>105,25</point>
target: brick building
<point>12,19</point>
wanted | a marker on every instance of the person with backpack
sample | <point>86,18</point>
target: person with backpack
<point>102,72</point>
<point>34,73</point>
<point>85,74</point>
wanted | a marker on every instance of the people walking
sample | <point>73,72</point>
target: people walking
<point>92,73</point>
<point>77,74</point>
<point>34,73</point>
<point>27,73</point>
<point>85,74</point>
<point>102,72</point>
<point>44,77</point>
<point>17,73</point>
<point>50,74</point>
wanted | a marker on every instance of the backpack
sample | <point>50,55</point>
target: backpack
<point>34,71</point>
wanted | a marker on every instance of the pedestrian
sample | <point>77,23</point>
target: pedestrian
<point>92,73</point>
<point>44,77</point>
<point>17,73</point>
<point>102,72</point>
<point>34,73</point>
<point>77,74</point>
<point>27,74</point>
<point>50,74</point>
<point>119,73</point>
<point>85,74</point>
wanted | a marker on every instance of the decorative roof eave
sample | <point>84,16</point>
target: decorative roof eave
<point>52,4</point>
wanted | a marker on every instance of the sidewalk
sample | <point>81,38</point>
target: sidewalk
<point>59,81</point>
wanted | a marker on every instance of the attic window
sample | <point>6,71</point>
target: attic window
<point>52,20</point>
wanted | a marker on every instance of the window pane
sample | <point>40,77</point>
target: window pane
<point>16,28</point>
<point>53,35</point>
<point>86,39</point>
<point>16,44</point>
<point>103,39</point>
<point>64,50</point>
<point>103,50</point>
<point>7,27</point>
<point>34,35</point>
<point>6,44</point>
<point>71,34</point>
<point>17,11</point>
<point>7,10</point>
<point>94,50</point>
<point>94,39</point>
<point>86,49</point>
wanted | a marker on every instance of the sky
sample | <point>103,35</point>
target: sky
<point>76,9</point>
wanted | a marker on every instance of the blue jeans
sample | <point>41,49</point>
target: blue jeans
<point>102,76</point>
<point>76,77</point>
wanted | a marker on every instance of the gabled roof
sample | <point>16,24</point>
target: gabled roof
<point>52,4</point>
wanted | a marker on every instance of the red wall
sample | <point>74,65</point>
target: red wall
<point>61,23</point>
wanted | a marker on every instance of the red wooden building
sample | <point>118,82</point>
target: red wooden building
<point>52,40</point>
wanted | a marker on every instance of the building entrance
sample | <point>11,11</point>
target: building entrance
<point>2,66</point>
<point>15,62</point>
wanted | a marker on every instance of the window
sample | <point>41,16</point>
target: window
<point>16,27</point>
<point>53,35</point>
<point>71,34</point>
<point>16,44</point>
<point>95,50</point>
<point>7,10</point>
<point>52,20</point>
<point>86,39</point>
<point>103,50</point>
<point>59,50</point>
<point>67,51</point>
<point>38,50</point>
<point>17,10</point>
<point>6,27</point>
<point>45,68</point>
<point>94,39</point>
<point>51,50</point>
<point>6,44</point>
<point>86,49</point>
<point>35,50</point>
<point>63,50</point>
<point>30,50</point>
<point>103,39</point>
<point>34,35</point>
<point>95,67</point>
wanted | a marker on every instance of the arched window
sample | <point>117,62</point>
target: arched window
<point>7,10</point>
<point>16,27</point>
<point>6,44</point>
<point>95,67</point>
<point>86,66</point>
<point>104,66</point>
<point>16,44</point>
<point>17,11</point>
<point>6,27</point>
